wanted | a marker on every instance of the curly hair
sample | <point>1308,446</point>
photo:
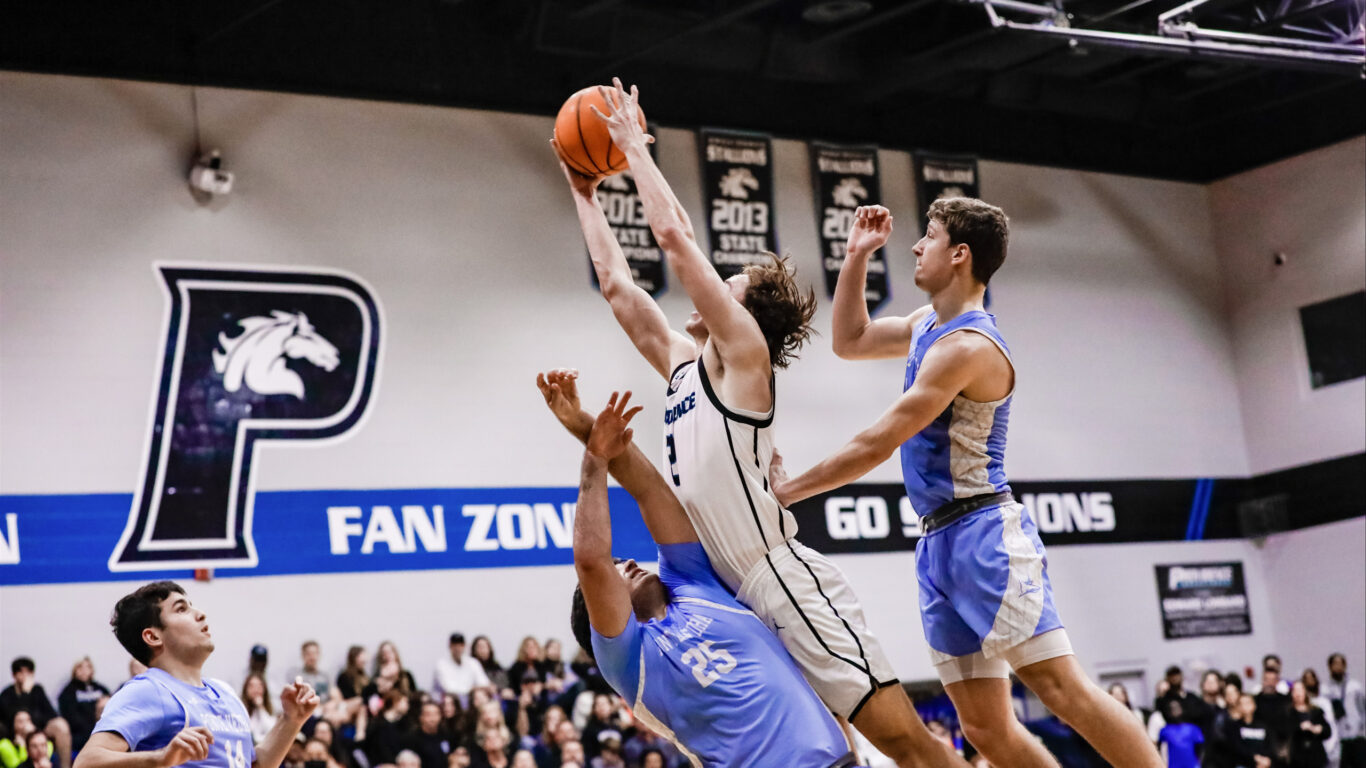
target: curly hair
<point>783,312</point>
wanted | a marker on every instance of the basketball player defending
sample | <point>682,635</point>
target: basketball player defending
<point>985,600</point>
<point>171,714</point>
<point>718,444</point>
<point>696,666</point>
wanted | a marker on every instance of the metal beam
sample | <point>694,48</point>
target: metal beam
<point>871,21</point>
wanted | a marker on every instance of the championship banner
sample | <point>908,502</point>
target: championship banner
<point>939,176</point>
<point>626,215</point>
<point>1203,600</point>
<point>737,183</point>
<point>845,178</point>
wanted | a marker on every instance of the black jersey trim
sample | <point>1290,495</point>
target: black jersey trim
<point>674,373</point>
<point>879,686</point>
<point>754,511</point>
<point>728,413</point>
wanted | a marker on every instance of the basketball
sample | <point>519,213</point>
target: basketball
<point>585,145</point>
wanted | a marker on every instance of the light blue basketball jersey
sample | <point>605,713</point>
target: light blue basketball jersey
<point>714,680</point>
<point>962,452</point>
<point>149,710</point>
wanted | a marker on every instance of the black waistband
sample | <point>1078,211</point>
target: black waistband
<point>960,508</point>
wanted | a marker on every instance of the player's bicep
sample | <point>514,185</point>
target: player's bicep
<point>648,329</point>
<point>105,740</point>
<point>885,337</point>
<point>606,595</point>
<point>944,372</point>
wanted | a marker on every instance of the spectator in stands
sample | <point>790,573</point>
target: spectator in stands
<point>523,759</point>
<point>1348,700</point>
<point>27,695</point>
<point>14,750</point>
<point>317,755</point>
<point>389,673</point>
<point>452,718</point>
<point>1192,706</point>
<point>1308,730</point>
<point>458,673</point>
<point>256,697</point>
<point>80,702</point>
<point>528,658</point>
<point>492,752</point>
<point>1331,746</point>
<point>384,737</point>
<point>460,757</point>
<point>339,747</point>
<point>1272,661</point>
<point>257,663</point>
<point>531,703</point>
<point>482,651</point>
<point>1273,706</point>
<point>1212,691</point>
<point>646,742</point>
<point>572,756</point>
<point>1224,746</point>
<point>651,759</point>
<point>1121,694</point>
<point>353,680</point>
<point>428,741</point>
<point>609,751</point>
<point>553,669</point>
<point>1180,740</point>
<point>545,748</point>
<point>1259,740</point>
<point>310,653</point>
<point>609,713</point>
<point>39,751</point>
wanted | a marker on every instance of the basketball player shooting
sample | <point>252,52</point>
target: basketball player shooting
<point>718,444</point>
<point>986,603</point>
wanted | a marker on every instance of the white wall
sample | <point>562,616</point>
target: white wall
<point>1317,581</point>
<point>459,221</point>
<point>1313,209</point>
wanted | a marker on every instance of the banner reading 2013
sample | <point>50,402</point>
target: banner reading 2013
<point>737,182</point>
<point>845,178</point>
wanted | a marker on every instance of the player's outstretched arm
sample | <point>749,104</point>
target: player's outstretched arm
<point>604,590</point>
<point>737,335</point>
<point>948,367</point>
<point>856,336</point>
<point>107,749</point>
<point>297,703</point>
<point>663,515</point>
<point>636,313</point>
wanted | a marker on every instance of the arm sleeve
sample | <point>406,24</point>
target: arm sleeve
<point>619,658</point>
<point>135,712</point>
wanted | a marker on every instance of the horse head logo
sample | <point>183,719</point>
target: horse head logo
<point>849,193</point>
<point>257,357</point>
<point>738,182</point>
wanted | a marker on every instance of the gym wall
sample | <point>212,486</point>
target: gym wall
<point>1113,299</point>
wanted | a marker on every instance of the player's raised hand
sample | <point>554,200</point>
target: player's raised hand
<point>872,227</point>
<point>623,115</point>
<point>610,434</point>
<point>559,387</point>
<point>582,186</point>
<point>189,745</point>
<point>298,700</point>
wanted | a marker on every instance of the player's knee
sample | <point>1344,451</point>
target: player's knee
<point>987,738</point>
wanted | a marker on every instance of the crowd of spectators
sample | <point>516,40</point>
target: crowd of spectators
<point>543,711</point>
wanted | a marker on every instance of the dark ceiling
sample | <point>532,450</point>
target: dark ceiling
<point>929,74</point>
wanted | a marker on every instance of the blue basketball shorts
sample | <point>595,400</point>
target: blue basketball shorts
<point>984,585</point>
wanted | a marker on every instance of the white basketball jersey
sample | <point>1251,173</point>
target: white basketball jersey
<point>717,460</point>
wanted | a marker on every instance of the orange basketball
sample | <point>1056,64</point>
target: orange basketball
<point>584,142</point>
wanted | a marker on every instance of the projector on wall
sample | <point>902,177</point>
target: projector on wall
<point>208,175</point>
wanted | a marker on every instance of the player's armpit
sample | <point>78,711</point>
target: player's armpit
<point>107,749</point>
<point>648,329</point>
